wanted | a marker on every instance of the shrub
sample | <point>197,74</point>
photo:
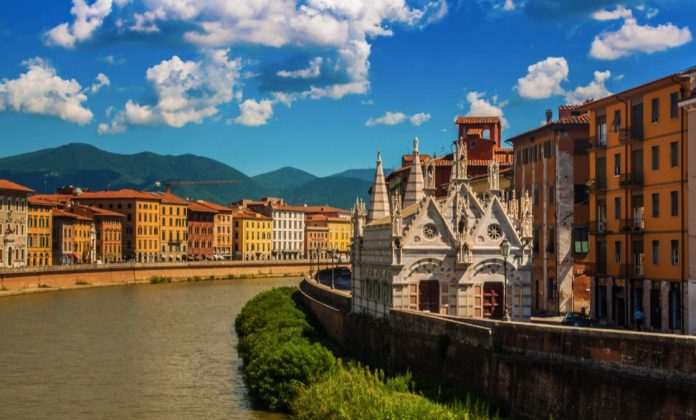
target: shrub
<point>160,279</point>
<point>82,283</point>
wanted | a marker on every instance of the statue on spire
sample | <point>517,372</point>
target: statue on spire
<point>493,175</point>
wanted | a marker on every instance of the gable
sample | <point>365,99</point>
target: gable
<point>485,234</point>
<point>428,229</point>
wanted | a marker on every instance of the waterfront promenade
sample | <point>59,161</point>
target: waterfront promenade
<point>42,279</point>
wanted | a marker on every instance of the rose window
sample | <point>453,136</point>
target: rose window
<point>495,232</point>
<point>430,231</point>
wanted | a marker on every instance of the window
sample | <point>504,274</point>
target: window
<point>674,251</point>
<point>617,164</point>
<point>655,157</point>
<point>656,205</point>
<point>617,208</point>
<point>674,203</point>
<point>673,154</point>
<point>617,251</point>
<point>536,197</point>
<point>655,252</point>
<point>602,130</point>
<point>581,241</point>
<point>655,110</point>
<point>674,298</point>
<point>617,120</point>
<point>551,246</point>
<point>673,105</point>
<point>551,194</point>
<point>581,194</point>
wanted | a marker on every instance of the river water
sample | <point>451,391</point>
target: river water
<point>164,351</point>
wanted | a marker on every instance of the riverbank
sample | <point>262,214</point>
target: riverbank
<point>86,284</point>
<point>45,279</point>
<point>289,367</point>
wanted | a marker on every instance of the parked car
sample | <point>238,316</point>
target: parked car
<point>577,319</point>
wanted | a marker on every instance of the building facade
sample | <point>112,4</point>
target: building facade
<point>173,226</point>
<point>638,210</point>
<point>317,236</point>
<point>253,235</point>
<point>63,237</point>
<point>201,228</point>
<point>551,164</point>
<point>339,237</point>
<point>443,255</point>
<point>222,230</point>
<point>106,244</point>
<point>40,233</point>
<point>13,224</point>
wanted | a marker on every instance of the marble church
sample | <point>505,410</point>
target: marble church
<point>443,255</point>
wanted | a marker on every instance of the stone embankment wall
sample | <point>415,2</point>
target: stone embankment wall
<point>68,276</point>
<point>536,370</point>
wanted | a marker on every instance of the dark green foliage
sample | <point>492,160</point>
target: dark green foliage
<point>160,279</point>
<point>284,178</point>
<point>274,341</point>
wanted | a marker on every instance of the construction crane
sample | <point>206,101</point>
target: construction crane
<point>169,184</point>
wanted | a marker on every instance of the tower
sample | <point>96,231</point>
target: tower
<point>414,188</point>
<point>379,201</point>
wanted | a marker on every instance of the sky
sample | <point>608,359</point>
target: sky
<point>319,85</point>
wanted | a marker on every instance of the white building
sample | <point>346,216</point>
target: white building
<point>288,227</point>
<point>13,224</point>
<point>689,107</point>
<point>442,255</point>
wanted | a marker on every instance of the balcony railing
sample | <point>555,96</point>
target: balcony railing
<point>598,227</point>
<point>633,179</point>
<point>598,142</point>
<point>631,134</point>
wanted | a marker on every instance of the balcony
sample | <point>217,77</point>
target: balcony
<point>597,185</point>
<point>598,227</point>
<point>627,135</point>
<point>598,142</point>
<point>631,180</point>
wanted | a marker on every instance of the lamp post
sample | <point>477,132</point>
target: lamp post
<point>333,268</point>
<point>505,251</point>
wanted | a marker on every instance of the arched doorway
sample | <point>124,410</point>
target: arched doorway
<point>493,300</point>
<point>429,296</point>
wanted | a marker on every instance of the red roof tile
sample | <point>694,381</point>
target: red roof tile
<point>119,194</point>
<point>11,186</point>
<point>213,206</point>
<point>200,208</point>
<point>477,120</point>
<point>168,198</point>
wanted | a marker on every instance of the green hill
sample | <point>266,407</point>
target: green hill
<point>87,166</point>
<point>364,174</point>
<point>284,178</point>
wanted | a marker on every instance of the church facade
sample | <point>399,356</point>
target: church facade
<point>442,255</point>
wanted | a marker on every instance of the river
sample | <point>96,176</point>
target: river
<point>143,351</point>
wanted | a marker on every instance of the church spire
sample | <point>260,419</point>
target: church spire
<point>379,201</point>
<point>414,188</point>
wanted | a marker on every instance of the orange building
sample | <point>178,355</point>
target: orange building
<point>72,237</point>
<point>638,210</point>
<point>201,223</point>
<point>40,233</point>
<point>222,230</point>
<point>108,236</point>
<point>317,236</point>
<point>551,165</point>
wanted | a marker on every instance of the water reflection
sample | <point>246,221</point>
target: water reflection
<point>146,351</point>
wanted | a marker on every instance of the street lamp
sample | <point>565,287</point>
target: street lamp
<point>505,251</point>
<point>333,268</point>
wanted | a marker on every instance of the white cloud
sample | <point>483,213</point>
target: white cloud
<point>187,92</point>
<point>509,5</point>
<point>594,90</point>
<point>390,118</point>
<point>41,91</point>
<point>88,18</point>
<point>394,118</point>
<point>420,118</point>
<point>619,13</point>
<point>480,107</point>
<point>632,37</point>
<point>102,81</point>
<point>311,72</point>
<point>543,79</point>
<point>651,13</point>
<point>253,113</point>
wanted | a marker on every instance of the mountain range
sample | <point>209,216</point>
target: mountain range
<point>86,166</point>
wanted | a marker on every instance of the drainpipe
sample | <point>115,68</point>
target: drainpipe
<point>627,303</point>
<point>682,91</point>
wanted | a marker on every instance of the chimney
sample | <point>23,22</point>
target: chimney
<point>549,115</point>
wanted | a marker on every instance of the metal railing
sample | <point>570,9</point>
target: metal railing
<point>598,226</point>
<point>632,179</point>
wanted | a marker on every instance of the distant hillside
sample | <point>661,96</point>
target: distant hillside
<point>284,178</point>
<point>338,191</point>
<point>364,174</point>
<point>87,166</point>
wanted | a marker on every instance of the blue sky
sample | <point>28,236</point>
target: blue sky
<point>315,84</point>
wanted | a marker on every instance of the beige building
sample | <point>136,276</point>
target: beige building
<point>13,224</point>
<point>688,107</point>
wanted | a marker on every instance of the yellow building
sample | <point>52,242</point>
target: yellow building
<point>638,215</point>
<point>222,230</point>
<point>141,227</point>
<point>339,235</point>
<point>253,235</point>
<point>84,240</point>
<point>173,226</point>
<point>39,233</point>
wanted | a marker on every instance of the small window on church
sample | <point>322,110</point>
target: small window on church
<point>430,231</point>
<point>494,231</point>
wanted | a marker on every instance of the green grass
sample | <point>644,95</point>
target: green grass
<point>288,367</point>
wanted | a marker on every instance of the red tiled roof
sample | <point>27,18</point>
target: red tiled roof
<point>474,132</point>
<point>69,214</point>
<point>571,120</point>
<point>569,107</point>
<point>245,213</point>
<point>199,208</point>
<point>55,198</point>
<point>119,194</point>
<point>104,212</point>
<point>167,197</point>
<point>477,120</point>
<point>213,206</point>
<point>11,186</point>
<point>39,201</point>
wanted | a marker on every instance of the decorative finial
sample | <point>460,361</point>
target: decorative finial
<point>415,145</point>
<point>379,155</point>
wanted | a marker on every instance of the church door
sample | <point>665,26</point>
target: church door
<point>493,300</point>
<point>429,296</point>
